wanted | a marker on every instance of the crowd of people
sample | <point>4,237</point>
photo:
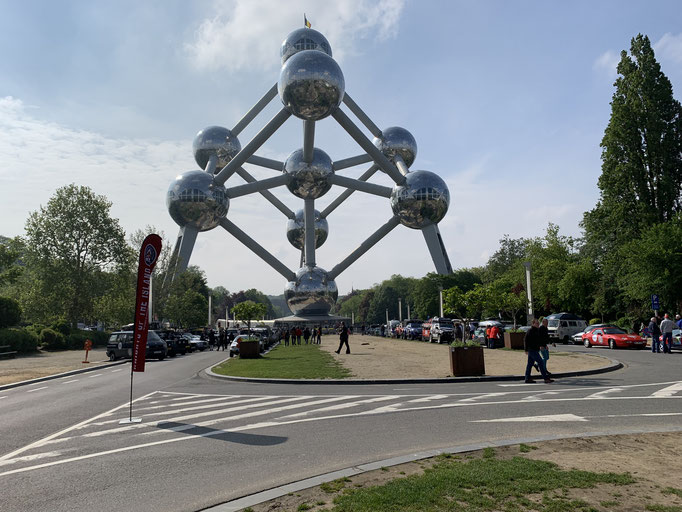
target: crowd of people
<point>295,334</point>
<point>660,330</point>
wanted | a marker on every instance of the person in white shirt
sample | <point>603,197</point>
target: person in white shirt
<point>667,327</point>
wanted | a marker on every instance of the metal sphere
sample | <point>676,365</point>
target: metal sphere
<point>195,200</point>
<point>397,141</point>
<point>309,180</point>
<point>304,39</point>
<point>215,140</point>
<point>313,293</point>
<point>296,230</point>
<point>421,201</point>
<point>311,85</point>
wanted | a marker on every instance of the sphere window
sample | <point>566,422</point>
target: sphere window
<point>306,44</point>
<point>192,195</point>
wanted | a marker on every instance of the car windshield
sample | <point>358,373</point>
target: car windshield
<point>553,323</point>
<point>614,330</point>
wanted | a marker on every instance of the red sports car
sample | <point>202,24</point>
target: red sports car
<point>613,337</point>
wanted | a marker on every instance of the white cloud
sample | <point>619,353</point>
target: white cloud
<point>669,47</point>
<point>607,62</point>
<point>247,33</point>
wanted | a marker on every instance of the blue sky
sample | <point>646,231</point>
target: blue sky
<point>508,101</point>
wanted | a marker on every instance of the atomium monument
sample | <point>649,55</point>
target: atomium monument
<point>311,87</point>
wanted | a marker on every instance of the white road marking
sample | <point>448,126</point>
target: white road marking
<point>30,458</point>
<point>602,394</point>
<point>34,384</point>
<point>528,419</point>
<point>70,381</point>
<point>339,406</point>
<point>93,376</point>
<point>36,389</point>
<point>484,395</point>
<point>429,398</point>
<point>118,370</point>
<point>666,392</point>
<point>538,397</point>
<point>1,397</point>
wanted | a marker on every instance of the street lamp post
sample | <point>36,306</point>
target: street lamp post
<point>440,298</point>
<point>400,309</point>
<point>529,293</point>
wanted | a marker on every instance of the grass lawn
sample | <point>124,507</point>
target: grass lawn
<point>299,362</point>
<point>483,485</point>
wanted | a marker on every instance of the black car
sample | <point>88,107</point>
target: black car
<point>175,343</point>
<point>120,344</point>
<point>413,330</point>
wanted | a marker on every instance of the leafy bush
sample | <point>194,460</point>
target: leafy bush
<point>19,339</point>
<point>62,327</point>
<point>460,343</point>
<point>76,340</point>
<point>594,321</point>
<point>10,312</point>
<point>52,340</point>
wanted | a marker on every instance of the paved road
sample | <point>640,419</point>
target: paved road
<point>204,441</point>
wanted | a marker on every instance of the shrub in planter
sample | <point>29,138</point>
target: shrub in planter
<point>19,339</point>
<point>466,359</point>
<point>249,348</point>
<point>10,312</point>
<point>52,340</point>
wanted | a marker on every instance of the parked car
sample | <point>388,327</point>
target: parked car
<point>120,344</point>
<point>677,339</point>
<point>562,326</point>
<point>176,344</point>
<point>613,337</point>
<point>412,329</point>
<point>438,329</point>
<point>577,338</point>
<point>195,342</point>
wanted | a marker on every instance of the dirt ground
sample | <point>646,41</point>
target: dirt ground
<point>373,357</point>
<point>654,460</point>
<point>43,364</point>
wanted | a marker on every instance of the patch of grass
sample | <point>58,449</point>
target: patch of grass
<point>488,453</point>
<point>482,484</point>
<point>672,490</point>
<point>608,503</point>
<point>304,506</point>
<point>320,503</point>
<point>384,468</point>
<point>525,448</point>
<point>334,485</point>
<point>664,508</point>
<point>299,362</point>
<point>247,509</point>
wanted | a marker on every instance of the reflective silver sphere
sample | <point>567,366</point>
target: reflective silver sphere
<point>309,180</point>
<point>195,200</point>
<point>313,293</point>
<point>304,39</point>
<point>396,140</point>
<point>311,85</point>
<point>421,201</point>
<point>215,140</point>
<point>296,230</point>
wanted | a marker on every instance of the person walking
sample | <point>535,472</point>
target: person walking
<point>306,334</point>
<point>655,332</point>
<point>667,326</point>
<point>211,339</point>
<point>299,334</point>
<point>222,339</point>
<point>532,346</point>
<point>286,337</point>
<point>544,340</point>
<point>493,336</point>
<point>319,335</point>
<point>343,338</point>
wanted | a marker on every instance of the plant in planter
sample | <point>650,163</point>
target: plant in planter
<point>466,359</point>
<point>513,339</point>
<point>249,348</point>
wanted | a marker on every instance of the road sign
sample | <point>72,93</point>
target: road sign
<point>654,303</point>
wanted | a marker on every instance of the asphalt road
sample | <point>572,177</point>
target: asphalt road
<point>204,441</point>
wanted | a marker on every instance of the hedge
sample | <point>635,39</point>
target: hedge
<point>10,312</point>
<point>52,340</point>
<point>19,339</point>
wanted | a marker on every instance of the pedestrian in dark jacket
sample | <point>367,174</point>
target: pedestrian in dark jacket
<point>544,340</point>
<point>306,334</point>
<point>532,343</point>
<point>655,332</point>
<point>343,338</point>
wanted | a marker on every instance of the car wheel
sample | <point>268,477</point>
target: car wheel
<point>112,356</point>
<point>612,345</point>
<point>565,340</point>
<point>161,358</point>
<point>587,343</point>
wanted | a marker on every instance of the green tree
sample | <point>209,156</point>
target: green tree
<point>68,242</point>
<point>249,310</point>
<point>188,308</point>
<point>10,252</point>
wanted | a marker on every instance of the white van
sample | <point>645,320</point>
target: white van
<point>562,326</point>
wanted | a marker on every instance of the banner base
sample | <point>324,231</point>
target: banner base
<point>130,420</point>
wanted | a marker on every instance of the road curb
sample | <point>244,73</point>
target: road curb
<point>611,367</point>
<point>277,492</point>
<point>60,375</point>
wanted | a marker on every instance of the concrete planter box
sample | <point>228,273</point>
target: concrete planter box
<point>466,361</point>
<point>249,349</point>
<point>514,340</point>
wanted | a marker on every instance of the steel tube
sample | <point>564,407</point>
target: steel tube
<point>257,249</point>
<point>268,163</point>
<point>347,193</point>
<point>400,164</point>
<point>309,244</point>
<point>363,186</point>
<point>211,164</point>
<point>364,247</point>
<point>439,255</point>
<point>352,161</point>
<point>257,186</point>
<point>252,146</point>
<point>267,194</point>
<point>366,144</point>
<point>308,140</point>
<point>255,110</point>
<point>364,118</point>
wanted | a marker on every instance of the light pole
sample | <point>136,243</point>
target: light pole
<point>400,310</point>
<point>408,311</point>
<point>209,309</point>
<point>529,293</point>
<point>440,298</point>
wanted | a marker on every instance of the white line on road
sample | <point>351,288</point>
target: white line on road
<point>602,394</point>
<point>36,389</point>
<point>1,397</point>
<point>545,418</point>
<point>119,370</point>
<point>70,381</point>
<point>669,391</point>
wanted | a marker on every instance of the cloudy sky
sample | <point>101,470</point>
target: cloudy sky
<point>508,101</point>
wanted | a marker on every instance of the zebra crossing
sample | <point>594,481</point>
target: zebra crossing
<point>172,417</point>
